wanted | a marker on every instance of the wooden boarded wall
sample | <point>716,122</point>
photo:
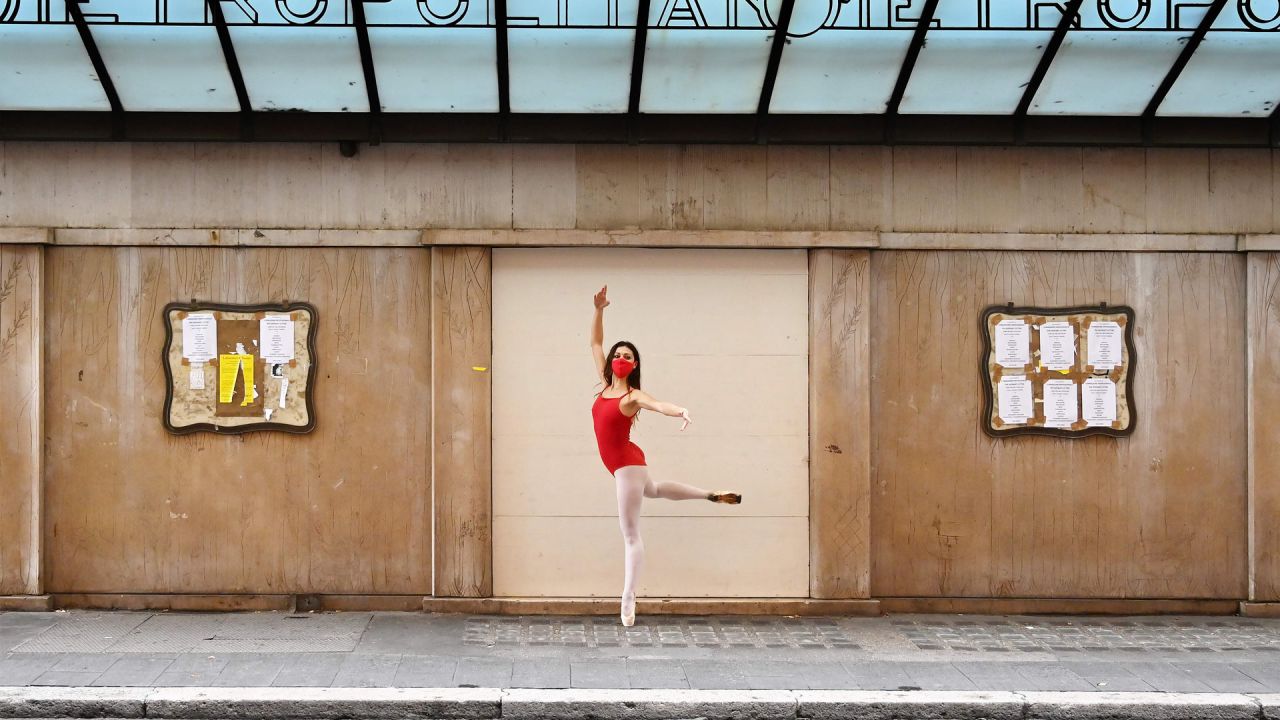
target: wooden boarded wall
<point>955,513</point>
<point>130,508</point>
<point>462,462</point>
<point>21,394</point>
<point>891,189</point>
<point>839,424</point>
<point>1264,423</point>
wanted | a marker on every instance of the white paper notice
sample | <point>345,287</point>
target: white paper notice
<point>197,377</point>
<point>1061,404</point>
<point>199,337</point>
<point>1013,343</point>
<point>1099,401</point>
<point>1057,345</point>
<point>1104,345</point>
<point>1014,397</point>
<point>276,338</point>
<point>284,390</point>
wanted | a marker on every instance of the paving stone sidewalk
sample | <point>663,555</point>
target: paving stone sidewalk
<point>415,650</point>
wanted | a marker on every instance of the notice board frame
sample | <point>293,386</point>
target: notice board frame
<point>987,366</point>
<point>308,392</point>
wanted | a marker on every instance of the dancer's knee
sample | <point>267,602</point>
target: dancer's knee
<point>651,489</point>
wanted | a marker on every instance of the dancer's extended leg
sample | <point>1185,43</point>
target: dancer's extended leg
<point>672,490</point>
<point>631,483</point>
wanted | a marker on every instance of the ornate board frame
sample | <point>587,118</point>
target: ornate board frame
<point>307,392</point>
<point>990,372</point>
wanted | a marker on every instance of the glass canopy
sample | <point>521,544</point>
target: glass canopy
<point>840,57</point>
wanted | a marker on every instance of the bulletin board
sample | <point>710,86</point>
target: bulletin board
<point>239,368</point>
<point>1065,372</point>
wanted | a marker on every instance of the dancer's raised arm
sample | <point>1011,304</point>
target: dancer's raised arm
<point>648,402</point>
<point>597,332</point>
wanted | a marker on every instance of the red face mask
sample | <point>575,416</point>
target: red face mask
<point>622,368</point>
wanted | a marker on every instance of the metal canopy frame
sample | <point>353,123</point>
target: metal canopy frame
<point>366,64</point>
<point>775,60</point>
<point>908,66</point>
<point>637,67</point>
<point>890,127</point>
<point>1184,57</point>
<point>649,128</point>
<point>233,67</point>
<point>1070,16</point>
<point>99,67</point>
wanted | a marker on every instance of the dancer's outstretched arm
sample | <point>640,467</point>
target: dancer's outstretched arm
<point>648,402</point>
<point>597,332</point>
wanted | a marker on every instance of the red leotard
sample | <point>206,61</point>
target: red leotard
<point>613,434</point>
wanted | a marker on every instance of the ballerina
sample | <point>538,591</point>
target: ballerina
<point>614,412</point>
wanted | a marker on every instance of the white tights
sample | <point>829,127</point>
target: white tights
<point>633,486</point>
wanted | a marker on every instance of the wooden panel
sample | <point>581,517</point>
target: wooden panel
<point>237,237</point>
<point>131,508</point>
<point>987,188</point>
<point>652,238</point>
<point>544,184</point>
<point>1115,190</point>
<point>461,345</point>
<point>1240,196</point>
<point>924,188</point>
<point>21,406</point>
<point>839,424</point>
<point>736,194</point>
<point>861,188</point>
<point>608,187</point>
<point>671,186</point>
<point>25,236</point>
<point>958,514</point>
<point>1130,242</point>
<point>1264,418</point>
<point>798,188</point>
<point>1177,190</point>
<point>1275,191</point>
<point>165,194</point>
<point>1051,197</point>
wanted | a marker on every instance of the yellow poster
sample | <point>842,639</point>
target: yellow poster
<point>246,364</point>
<point>229,366</point>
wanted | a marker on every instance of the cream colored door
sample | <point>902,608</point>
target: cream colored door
<point>722,332</point>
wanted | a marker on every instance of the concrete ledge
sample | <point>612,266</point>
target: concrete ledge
<point>29,603</point>
<point>663,606</point>
<point>1139,706</point>
<point>926,705</point>
<point>635,237</point>
<point>1058,606</point>
<point>1060,242</point>
<point>1270,705</point>
<point>25,236</point>
<point>648,704</point>
<point>57,702</point>
<point>496,704</point>
<point>236,237</point>
<point>451,703</point>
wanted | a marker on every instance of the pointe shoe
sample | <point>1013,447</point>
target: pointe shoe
<point>726,497</point>
<point>628,614</point>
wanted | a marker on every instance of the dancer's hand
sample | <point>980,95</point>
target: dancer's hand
<point>601,301</point>
<point>684,415</point>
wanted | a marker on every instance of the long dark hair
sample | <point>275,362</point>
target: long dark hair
<point>632,380</point>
